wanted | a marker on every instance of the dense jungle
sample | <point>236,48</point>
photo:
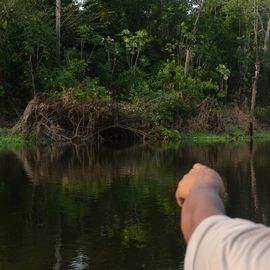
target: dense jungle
<point>83,83</point>
<point>97,69</point>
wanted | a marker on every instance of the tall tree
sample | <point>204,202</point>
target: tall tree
<point>58,30</point>
<point>192,39</point>
<point>260,46</point>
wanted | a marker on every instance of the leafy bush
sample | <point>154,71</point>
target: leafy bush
<point>169,107</point>
<point>72,74</point>
<point>89,88</point>
<point>165,134</point>
<point>66,79</point>
<point>263,114</point>
<point>180,95</point>
<point>132,83</point>
<point>8,139</point>
<point>171,78</point>
<point>92,88</point>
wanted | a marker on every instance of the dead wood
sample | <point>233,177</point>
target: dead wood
<point>71,120</point>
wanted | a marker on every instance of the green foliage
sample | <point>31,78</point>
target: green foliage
<point>89,88</point>
<point>171,78</point>
<point>66,79</point>
<point>223,71</point>
<point>8,139</point>
<point>132,83</point>
<point>180,95</point>
<point>134,42</point>
<point>92,88</point>
<point>262,113</point>
<point>134,234</point>
<point>2,90</point>
<point>135,51</point>
<point>88,34</point>
<point>166,135</point>
<point>204,137</point>
<point>26,39</point>
<point>169,107</point>
<point>72,74</point>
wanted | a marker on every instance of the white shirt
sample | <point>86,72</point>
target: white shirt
<point>222,243</point>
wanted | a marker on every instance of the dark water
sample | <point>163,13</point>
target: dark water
<point>87,208</point>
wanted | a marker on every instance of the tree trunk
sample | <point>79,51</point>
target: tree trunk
<point>137,57</point>
<point>257,68</point>
<point>58,30</point>
<point>193,36</point>
<point>187,62</point>
<point>32,75</point>
<point>267,33</point>
<point>256,76</point>
<point>253,96</point>
<point>254,193</point>
<point>82,46</point>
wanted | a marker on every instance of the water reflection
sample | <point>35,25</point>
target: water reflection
<point>80,261</point>
<point>89,208</point>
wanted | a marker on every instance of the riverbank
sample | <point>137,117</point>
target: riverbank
<point>225,137</point>
<point>167,136</point>
<point>8,139</point>
<point>66,118</point>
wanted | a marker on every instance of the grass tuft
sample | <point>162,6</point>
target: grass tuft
<point>8,139</point>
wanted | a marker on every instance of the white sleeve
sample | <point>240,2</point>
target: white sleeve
<point>222,243</point>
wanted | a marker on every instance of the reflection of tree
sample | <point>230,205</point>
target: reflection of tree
<point>220,155</point>
<point>80,261</point>
<point>113,203</point>
<point>237,163</point>
<point>253,181</point>
<point>93,170</point>
<point>134,234</point>
<point>73,162</point>
<point>260,215</point>
<point>58,244</point>
<point>118,197</point>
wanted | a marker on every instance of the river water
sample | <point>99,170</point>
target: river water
<point>114,209</point>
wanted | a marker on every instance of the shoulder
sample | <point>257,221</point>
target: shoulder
<point>219,241</point>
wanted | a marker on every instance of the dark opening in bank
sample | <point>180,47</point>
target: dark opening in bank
<point>119,137</point>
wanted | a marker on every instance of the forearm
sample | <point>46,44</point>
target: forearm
<point>199,204</point>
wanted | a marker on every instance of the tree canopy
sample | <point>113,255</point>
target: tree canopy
<point>178,52</point>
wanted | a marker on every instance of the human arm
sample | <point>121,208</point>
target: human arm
<point>200,194</point>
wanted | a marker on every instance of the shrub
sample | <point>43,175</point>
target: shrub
<point>89,88</point>
<point>72,74</point>
<point>171,106</point>
<point>165,134</point>
<point>92,88</point>
<point>132,83</point>
<point>263,114</point>
<point>181,96</point>
<point>171,78</point>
